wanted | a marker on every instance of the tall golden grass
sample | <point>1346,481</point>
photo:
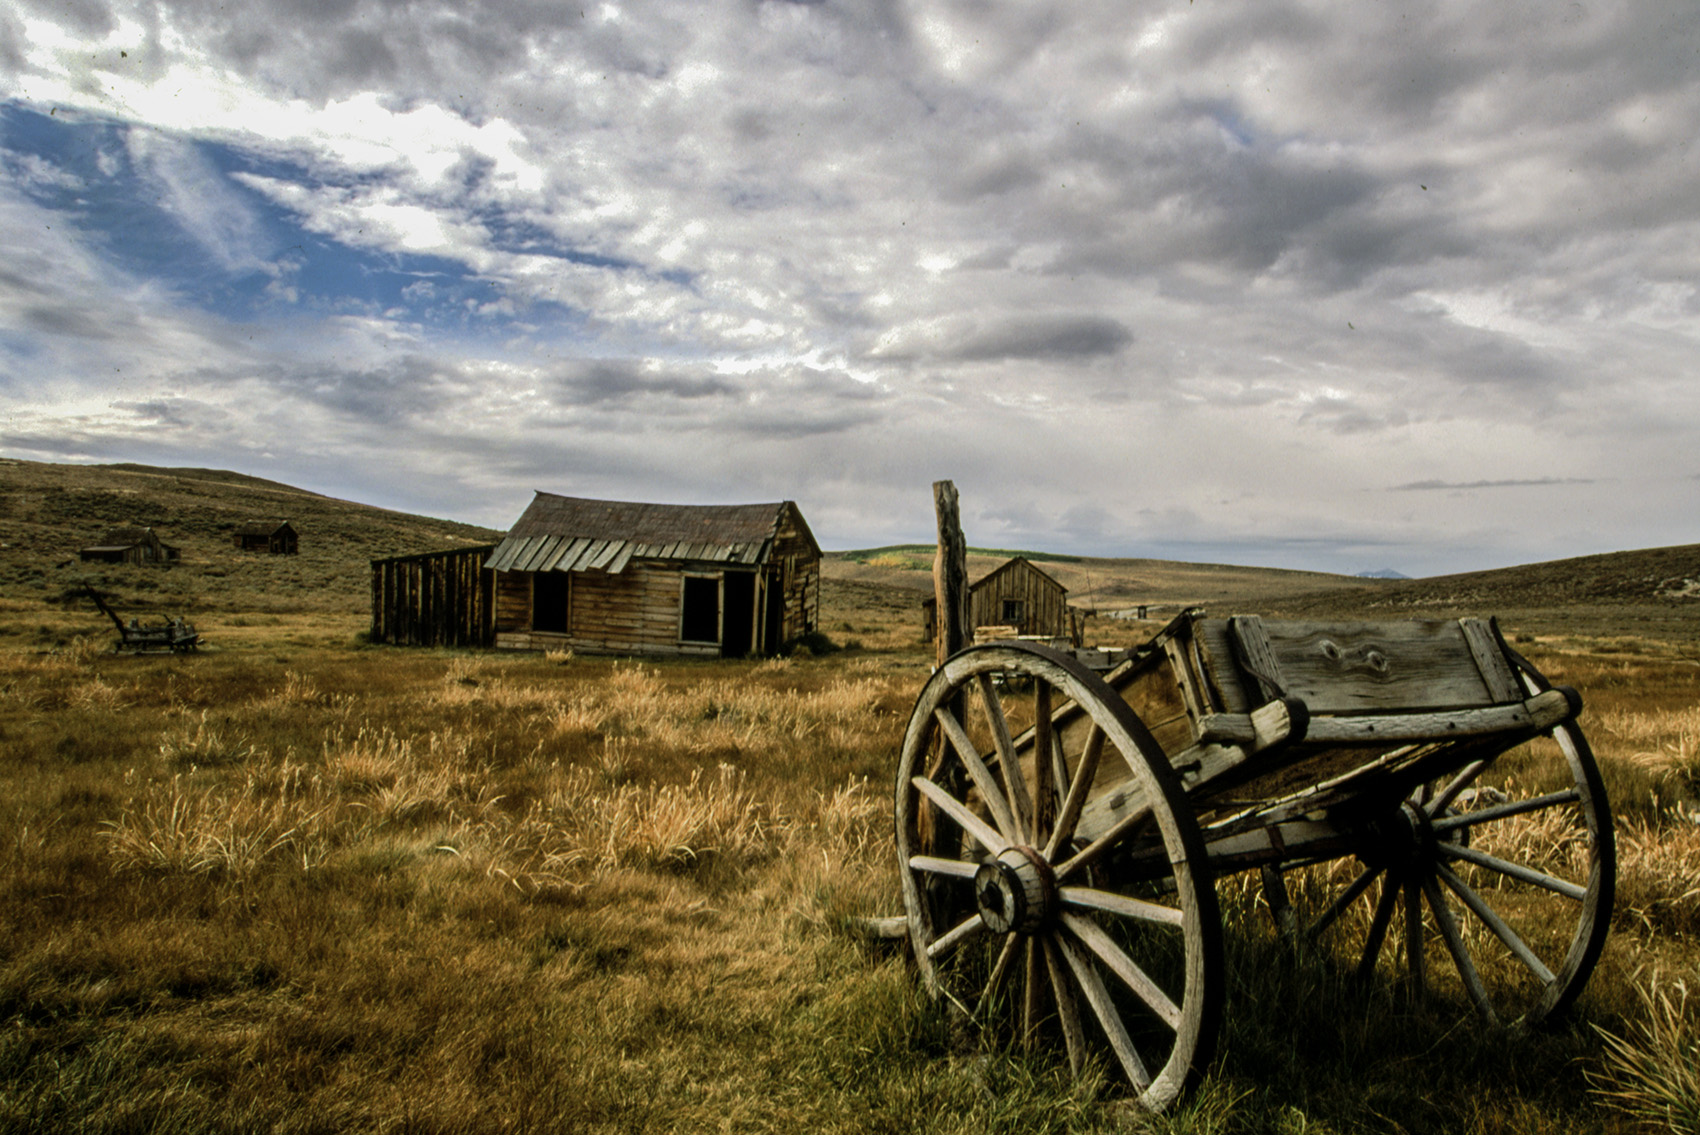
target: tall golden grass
<point>313,888</point>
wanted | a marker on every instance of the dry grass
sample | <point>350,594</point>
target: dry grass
<point>1653,1072</point>
<point>316,888</point>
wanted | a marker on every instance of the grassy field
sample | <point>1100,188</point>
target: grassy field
<point>299,884</point>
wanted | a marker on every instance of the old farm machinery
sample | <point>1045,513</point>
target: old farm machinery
<point>175,634</point>
<point>1420,790</point>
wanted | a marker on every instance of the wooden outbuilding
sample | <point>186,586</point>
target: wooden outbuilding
<point>630,578</point>
<point>276,537</point>
<point>435,598</point>
<point>130,546</point>
<point>1017,599</point>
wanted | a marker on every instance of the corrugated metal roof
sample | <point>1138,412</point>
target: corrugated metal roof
<point>559,533</point>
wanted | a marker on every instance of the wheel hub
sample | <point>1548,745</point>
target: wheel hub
<point>1407,838</point>
<point>1016,892</point>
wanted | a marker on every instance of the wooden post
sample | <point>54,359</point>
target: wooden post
<point>950,574</point>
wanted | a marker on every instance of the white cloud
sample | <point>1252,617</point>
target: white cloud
<point>1114,269</point>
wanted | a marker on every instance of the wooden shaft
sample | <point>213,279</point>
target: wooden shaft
<point>950,574</point>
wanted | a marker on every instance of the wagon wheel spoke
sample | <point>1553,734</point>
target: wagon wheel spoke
<point>933,865</point>
<point>1033,1001</point>
<point>1455,946</point>
<point>994,982</point>
<point>967,820</point>
<point>1068,1009</point>
<point>948,941</point>
<point>1436,803</point>
<point>1108,1017</point>
<point>1096,850</point>
<point>978,772</point>
<point>1490,918</point>
<point>1093,937</point>
<point>1390,888</point>
<point>1125,905</point>
<point>1414,934</point>
<point>1505,811</point>
<point>1059,766</point>
<point>1516,871</point>
<point>992,705</point>
<point>1347,897</point>
<point>1085,775</point>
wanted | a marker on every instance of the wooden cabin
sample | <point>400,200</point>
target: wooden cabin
<point>629,578</point>
<point>1014,599</point>
<point>275,537</point>
<point>130,546</point>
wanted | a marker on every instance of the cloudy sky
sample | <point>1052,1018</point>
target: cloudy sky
<point>1329,286</point>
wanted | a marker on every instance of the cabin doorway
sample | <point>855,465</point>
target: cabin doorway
<point>738,614</point>
<point>550,601</point>
<point>699,609</point>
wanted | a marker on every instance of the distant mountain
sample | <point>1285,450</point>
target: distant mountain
<point>1382,573</point>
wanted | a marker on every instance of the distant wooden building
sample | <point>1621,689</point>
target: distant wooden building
<point>623,577</point>
<point>1017,598</point>
<point>130,546</point>
<point>435,598</point>
<point>276,537</point>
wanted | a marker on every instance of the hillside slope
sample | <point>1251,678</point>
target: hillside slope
<point>1105,585</point>
<point>48,512</point>
<point>1650,592</point>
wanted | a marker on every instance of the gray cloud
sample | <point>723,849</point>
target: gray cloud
<point>837,251</point>
<point>1008,336</point>
<point>1456,486</point>
<point>605,381</point>
<point>1029,337</point>
<point>408,387</point>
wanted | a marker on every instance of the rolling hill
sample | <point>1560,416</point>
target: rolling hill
<point>49,511</point>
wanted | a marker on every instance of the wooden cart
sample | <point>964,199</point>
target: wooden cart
<point>1421,790</point>
<point>176,634</point>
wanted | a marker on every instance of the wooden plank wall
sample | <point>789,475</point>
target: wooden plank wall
<point>799,580</point>
<point>1044,602</point>
<point>434,599</point>
<point>634,612</point>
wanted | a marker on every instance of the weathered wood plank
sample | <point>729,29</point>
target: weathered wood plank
<point>1502,684</point>
<point>1257,655</point>
<point>1541,712</point>
<point>1357,667</point>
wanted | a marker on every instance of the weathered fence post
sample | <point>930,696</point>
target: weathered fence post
<point>950,574</point>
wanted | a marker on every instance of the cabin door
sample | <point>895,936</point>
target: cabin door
<point>738,614</point>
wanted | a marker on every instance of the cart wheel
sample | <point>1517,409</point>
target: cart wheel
<point>1067,895</point>
<point>1508,865</point>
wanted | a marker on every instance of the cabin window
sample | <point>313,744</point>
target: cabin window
<point>549,592</point>
<point>699,608</point>
<point>1012,612</point>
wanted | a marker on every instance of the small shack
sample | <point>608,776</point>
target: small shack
<point>1017,599</point>
<point>130,546</point>
<point>631,578</point>
<point>274,537</point>
<point>443,598</point>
